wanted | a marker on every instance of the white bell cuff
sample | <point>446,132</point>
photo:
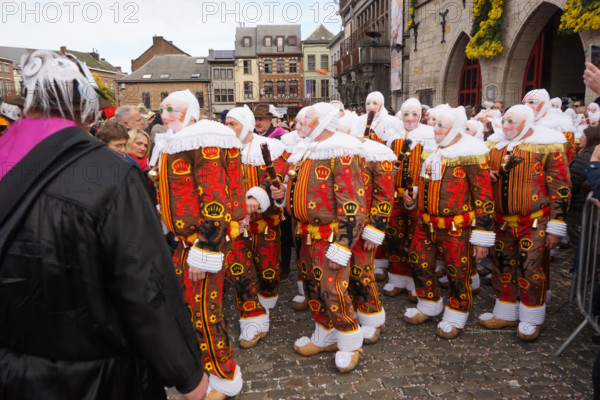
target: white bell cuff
<point>261,196</point>
<point>557,228</point>
<point>373,235</point>
<point>338,254</point>
<point>204,260</point>
<point>483,238</point>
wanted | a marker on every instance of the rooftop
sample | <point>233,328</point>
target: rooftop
<point>171,68</point>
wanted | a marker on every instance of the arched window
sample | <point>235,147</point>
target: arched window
<point>469,91</point>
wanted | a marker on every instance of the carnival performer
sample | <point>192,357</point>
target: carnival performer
<point>539,101</point>
<point>326,195</point>
<point>291,140</point>
<point>532,190</point>
<point>200,192</point>
<point>408,148</point>
<point>259,249</point>
<point>456,212</point>
<point>382,126</point>
<point>378,161</point>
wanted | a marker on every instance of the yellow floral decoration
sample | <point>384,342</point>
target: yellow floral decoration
<point>580,15</point>
<point>486,31</point>
<point>411,12</point>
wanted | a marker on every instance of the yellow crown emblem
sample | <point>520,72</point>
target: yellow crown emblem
<point>356,271</point>
<point>268,274</point>
<point>384,208</point>
<point>233,153</point>
<point>237,269</point>
<point>386,166</point>
<point>350,208</point>
<point>211,153</point>
<point>318,272</point>
<point>526,244</point>
<point>346,160</point>
<point>214,210</point>
<point>322,172</point>
<point>181,167</point>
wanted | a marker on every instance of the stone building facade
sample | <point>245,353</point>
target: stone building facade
<point>222,64</point>
<point>246,74</point>
<point>535,55</point>
<point>334,56</point>
<point>364,62</point>
<point>316,65</point>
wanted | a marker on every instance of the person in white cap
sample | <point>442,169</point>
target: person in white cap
<point>257,254</point>
<point>539,101</point>
<point>401,227</point>
<point>532,200</point>
<point>456,211</point>
<point>290,141</point>
<point>474,128</point>
<point>378,168</point>
<point>200,191</point>
<point>383,125</point>
<point>435,110</point>
<point>326,195</point>
<point>556,103</point>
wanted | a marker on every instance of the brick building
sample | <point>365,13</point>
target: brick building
<point>278,53</point>
<point>7,78</point>
<point>164,74</point>
<point>159,46</point>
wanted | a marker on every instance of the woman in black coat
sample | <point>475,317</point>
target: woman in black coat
<point>579,182</point>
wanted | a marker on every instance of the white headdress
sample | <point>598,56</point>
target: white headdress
<point>244,116</point>
<point>329,117</point>
<point>55,81</point>
<point>193,107</point>
<point>526,113</point>
<point>540,95</point>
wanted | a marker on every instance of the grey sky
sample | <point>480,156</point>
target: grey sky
<point>122,30</point>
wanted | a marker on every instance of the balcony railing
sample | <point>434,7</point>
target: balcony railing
<point>372,32</point>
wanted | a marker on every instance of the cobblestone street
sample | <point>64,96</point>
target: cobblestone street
<point>412,362</point>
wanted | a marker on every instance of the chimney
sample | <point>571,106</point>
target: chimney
<point>118,69</point>
<point>156,40</point>
<point>63,49</point>
<point>95,55</point>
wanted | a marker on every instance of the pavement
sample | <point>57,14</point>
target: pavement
<point>411,362</point>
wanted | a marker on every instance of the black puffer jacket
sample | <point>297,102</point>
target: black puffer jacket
<point>579,183</point>
<point>90,307</point>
